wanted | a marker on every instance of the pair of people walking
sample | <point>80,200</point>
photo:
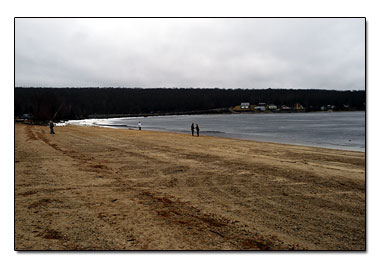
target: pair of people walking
<point>193,129</point>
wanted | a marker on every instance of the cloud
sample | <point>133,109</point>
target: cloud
<point>223,53</point>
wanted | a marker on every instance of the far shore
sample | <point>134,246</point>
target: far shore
<point>118,189</point>
<point>199,112</point>
<point>209,112</point>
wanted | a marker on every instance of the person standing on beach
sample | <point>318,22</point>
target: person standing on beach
<point>139,125</point>
<point>51,124</point>
<point>193,129</point>
<point>197,130</point>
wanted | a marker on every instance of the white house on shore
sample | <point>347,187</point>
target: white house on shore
<point>272,107</point>
<point>244,105</point>
<point>261,107</point>
<point>285,108</point>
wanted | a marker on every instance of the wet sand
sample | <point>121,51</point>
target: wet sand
<point>89,188</point>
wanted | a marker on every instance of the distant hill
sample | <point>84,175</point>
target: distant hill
<point>77,103</point>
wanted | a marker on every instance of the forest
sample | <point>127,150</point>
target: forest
<point>79,103</point>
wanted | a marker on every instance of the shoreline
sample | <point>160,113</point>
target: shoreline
<point>106,189</point>
<point>204,133</point>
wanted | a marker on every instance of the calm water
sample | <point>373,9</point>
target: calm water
<point>341,130</point>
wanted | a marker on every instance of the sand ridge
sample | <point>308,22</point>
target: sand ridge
<point>91,188</point>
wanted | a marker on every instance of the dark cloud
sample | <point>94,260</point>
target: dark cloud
<point>224,53</point>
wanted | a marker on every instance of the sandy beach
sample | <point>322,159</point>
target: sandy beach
<point>91,188</point>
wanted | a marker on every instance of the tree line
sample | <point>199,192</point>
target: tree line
<point>78,103</point>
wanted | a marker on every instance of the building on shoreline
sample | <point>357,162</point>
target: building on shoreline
<point>244,105</point>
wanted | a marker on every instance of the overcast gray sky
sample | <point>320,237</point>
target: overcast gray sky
<point>223,53</point>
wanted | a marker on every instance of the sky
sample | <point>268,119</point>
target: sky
<point>250,53</point>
